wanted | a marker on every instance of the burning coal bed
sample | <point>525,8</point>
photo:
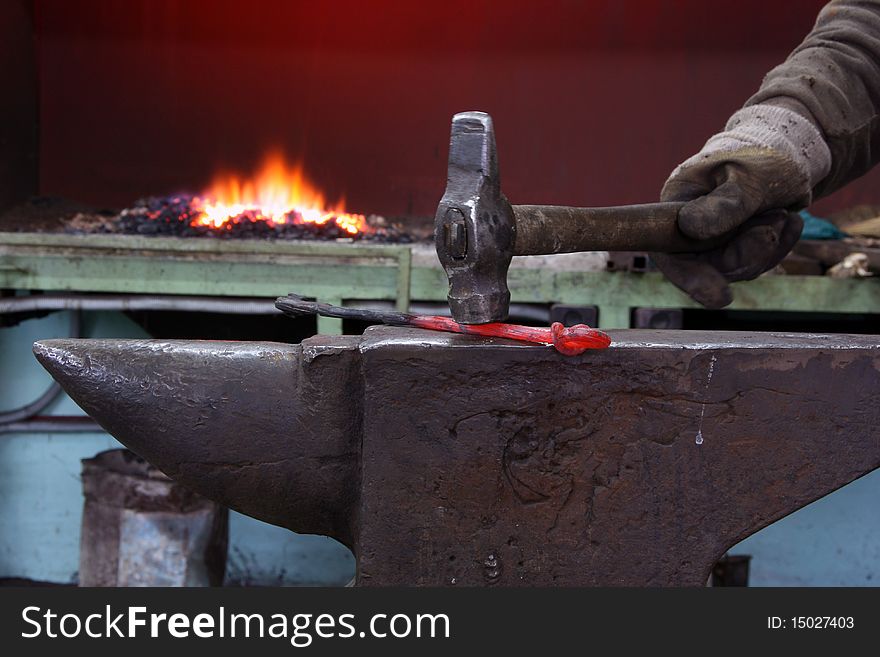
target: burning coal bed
<point>277,201</point>
<point>187,216</point>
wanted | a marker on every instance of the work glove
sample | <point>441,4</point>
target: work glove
<point>744,188</point>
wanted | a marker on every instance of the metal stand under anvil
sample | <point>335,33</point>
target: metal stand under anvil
<point>452,460</point>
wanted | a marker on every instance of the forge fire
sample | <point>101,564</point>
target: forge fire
<point>278,201</point>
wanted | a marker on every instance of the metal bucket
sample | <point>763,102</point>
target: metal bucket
<point>140,528</point>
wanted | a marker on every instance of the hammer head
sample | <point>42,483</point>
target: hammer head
<point>474,226</point>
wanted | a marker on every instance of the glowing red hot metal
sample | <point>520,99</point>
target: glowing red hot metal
<point>569,341</point>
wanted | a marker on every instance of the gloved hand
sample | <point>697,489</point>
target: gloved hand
<point>744,185</point>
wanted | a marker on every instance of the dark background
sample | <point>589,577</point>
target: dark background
<point>594,102</point>
<point>518,621</point>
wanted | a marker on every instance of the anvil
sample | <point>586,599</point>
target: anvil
<point>451,460</point>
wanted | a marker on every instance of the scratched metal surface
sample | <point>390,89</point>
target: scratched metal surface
<point>446,460</point>
<point>638,465</point>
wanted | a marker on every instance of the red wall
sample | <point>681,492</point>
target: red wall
<point>594,102</point>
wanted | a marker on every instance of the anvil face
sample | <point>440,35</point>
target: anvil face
<point>452,460</point>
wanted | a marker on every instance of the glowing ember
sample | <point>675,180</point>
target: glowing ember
<point>278,202</point>
<point>278,194</point>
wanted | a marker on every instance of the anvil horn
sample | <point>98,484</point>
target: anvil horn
<point>248,424</point>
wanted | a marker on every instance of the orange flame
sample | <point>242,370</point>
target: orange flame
<point>277,194</point>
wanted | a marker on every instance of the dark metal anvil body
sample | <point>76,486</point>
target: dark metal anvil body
<point>451,460</point>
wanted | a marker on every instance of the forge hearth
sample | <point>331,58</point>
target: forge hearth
<point>178,216</point>
<point>277,202</point>
<point>181,216</point>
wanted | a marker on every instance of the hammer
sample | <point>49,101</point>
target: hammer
<point>477,230</point>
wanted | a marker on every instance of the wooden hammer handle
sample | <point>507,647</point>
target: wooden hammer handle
<point>546,229</point>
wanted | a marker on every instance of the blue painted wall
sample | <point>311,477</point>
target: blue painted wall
<point>833,542</point>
